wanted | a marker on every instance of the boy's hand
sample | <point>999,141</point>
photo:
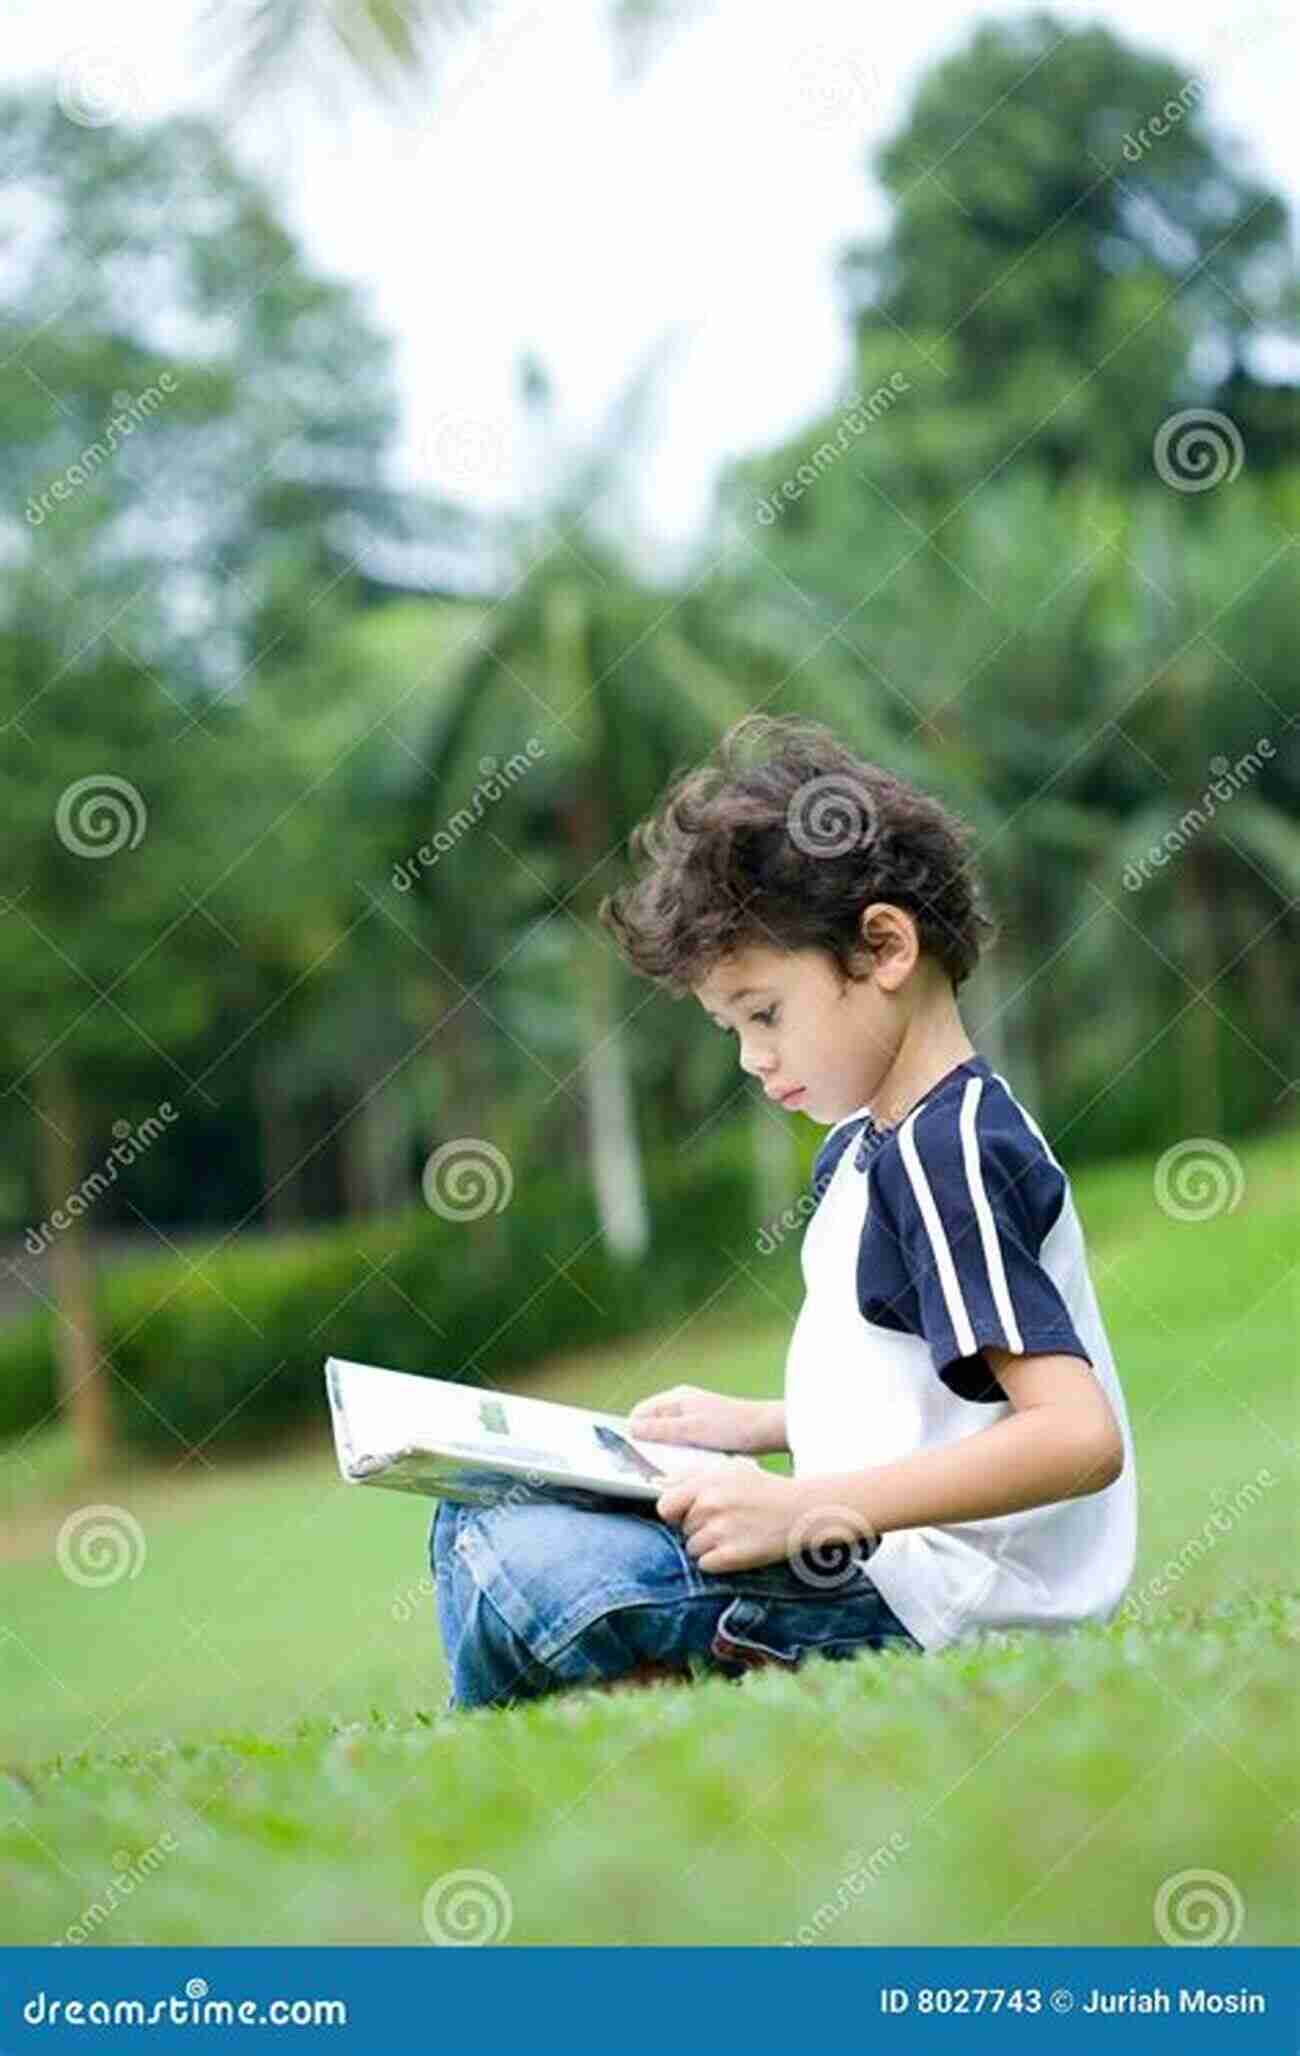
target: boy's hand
<point>736,1516</point>
<point>702,1420</point>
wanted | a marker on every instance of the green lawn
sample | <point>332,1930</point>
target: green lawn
<point>250,1733</point>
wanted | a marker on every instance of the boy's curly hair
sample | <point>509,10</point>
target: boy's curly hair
<point>786,852</point>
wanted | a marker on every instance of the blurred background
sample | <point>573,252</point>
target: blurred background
<point>423,430</point>
<point>423,433</point>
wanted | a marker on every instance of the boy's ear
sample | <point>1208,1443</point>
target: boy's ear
<point>893,946</point>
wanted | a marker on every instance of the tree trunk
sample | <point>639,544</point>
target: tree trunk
<point>370,1142</point>
<point>280,1192</point>
<point>1198,1038</point>
<point>613,1153</point>
<point>82,1379</point>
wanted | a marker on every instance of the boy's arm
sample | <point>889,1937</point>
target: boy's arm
<point>1061,1442</point>
<point>771,1438</point>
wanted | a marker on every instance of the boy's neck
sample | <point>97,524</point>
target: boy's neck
<point>935,1043</point>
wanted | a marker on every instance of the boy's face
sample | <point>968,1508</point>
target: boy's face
<point>802,1026</point>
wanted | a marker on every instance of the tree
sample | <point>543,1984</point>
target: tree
<point>392,47</point>
<point>173,447</point>
<point>1067,259</point>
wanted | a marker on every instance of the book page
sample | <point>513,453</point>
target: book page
<point>391,1411</point>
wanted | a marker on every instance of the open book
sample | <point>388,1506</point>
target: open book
<point>454,1441</point>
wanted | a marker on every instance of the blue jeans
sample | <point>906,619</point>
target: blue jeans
<point>535,1594</point>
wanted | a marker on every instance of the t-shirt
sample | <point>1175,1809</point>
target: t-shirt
<point>955,1229</point>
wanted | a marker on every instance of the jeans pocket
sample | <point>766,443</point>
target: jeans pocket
<point>756,1629</point>
<point>738,1637</point>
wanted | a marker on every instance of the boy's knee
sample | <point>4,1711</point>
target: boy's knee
<point>492,1666</point>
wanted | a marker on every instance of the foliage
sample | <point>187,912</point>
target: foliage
<point>227,1349</point>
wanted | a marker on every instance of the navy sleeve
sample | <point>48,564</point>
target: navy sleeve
<point>960,1204</point>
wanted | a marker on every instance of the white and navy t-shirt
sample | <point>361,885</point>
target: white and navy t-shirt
<point>929,1240</point>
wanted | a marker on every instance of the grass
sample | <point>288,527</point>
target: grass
<point>250,1734</point>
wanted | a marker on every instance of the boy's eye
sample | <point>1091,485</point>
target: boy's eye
<point>766,1016</point>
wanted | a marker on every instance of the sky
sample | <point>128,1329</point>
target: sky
<point>525,199</point>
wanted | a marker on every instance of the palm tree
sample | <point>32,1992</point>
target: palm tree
<point>1212,697</point>
<point>581,688</point>
<point>391,47</point>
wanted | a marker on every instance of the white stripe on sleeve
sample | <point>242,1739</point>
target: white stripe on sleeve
<point>953,1300</point>
<point>984,1215</point>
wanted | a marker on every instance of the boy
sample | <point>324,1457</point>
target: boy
<point>950,1403</point>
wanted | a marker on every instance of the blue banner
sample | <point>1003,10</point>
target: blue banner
<point>495,1997</point>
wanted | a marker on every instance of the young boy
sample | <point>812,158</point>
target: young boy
<point>950,1400</point>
